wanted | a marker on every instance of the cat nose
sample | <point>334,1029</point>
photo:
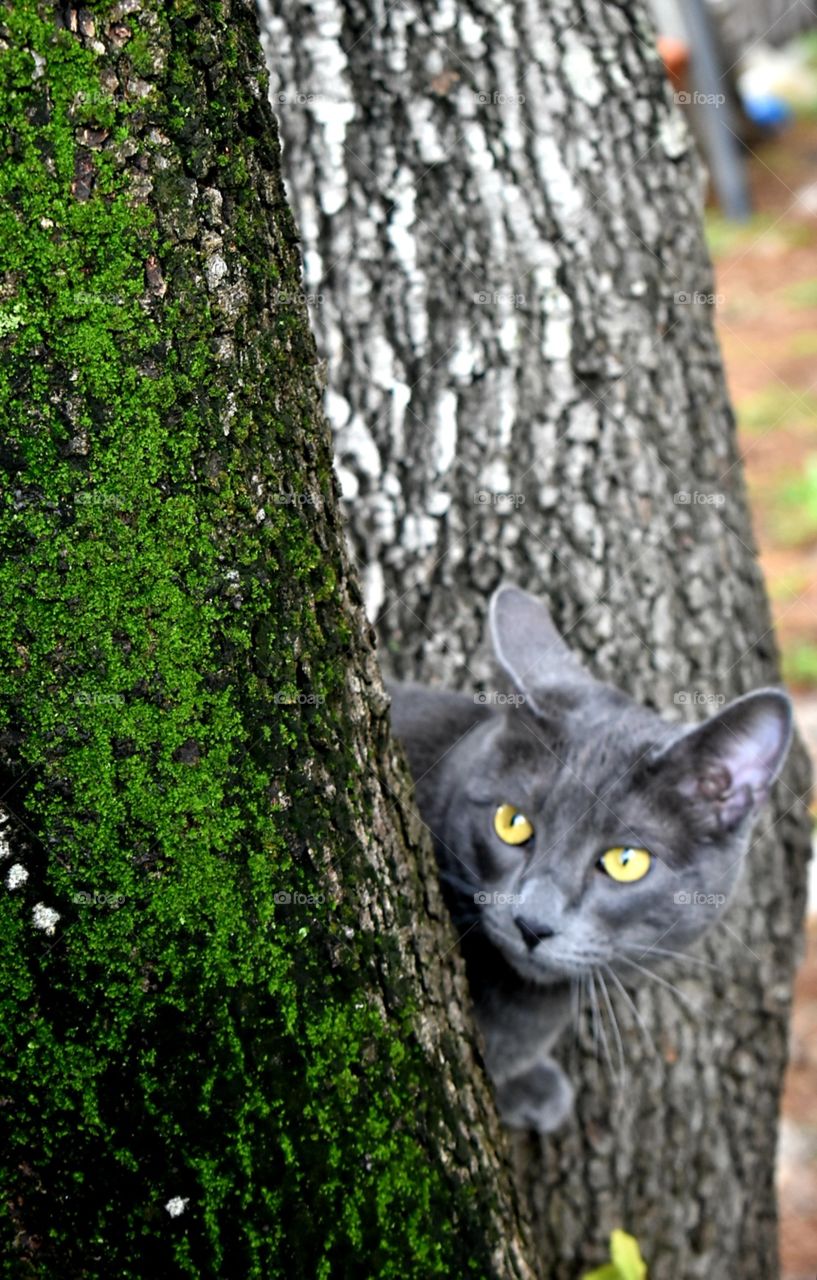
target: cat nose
<point>531,932</point>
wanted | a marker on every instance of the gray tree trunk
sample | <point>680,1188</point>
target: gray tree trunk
<point>226,970</point>
<point>501,221</point>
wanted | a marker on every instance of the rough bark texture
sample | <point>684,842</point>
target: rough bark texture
<point>501,221</point>
<point>226,1044</point>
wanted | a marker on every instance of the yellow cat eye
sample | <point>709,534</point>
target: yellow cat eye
<point>626,864</point>
<point>511,825</point>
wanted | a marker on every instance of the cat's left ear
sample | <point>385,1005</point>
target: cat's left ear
<point>527,645</point>
<point>729,762</point>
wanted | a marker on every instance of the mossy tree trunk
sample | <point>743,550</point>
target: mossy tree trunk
<point>501,216</point>
<point>225,1033</point>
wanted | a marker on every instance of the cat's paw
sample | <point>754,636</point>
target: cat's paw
<point>541,1098</point>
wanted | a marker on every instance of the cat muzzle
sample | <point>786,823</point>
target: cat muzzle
<point>532,933</point>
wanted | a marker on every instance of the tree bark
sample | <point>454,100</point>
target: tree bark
<point>227,981</point>
<point>501,219</point>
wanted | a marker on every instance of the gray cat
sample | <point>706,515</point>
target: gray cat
<point>576,831</point>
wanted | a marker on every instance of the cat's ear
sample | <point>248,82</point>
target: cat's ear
<point>728,763</point>
<point>526,643</point>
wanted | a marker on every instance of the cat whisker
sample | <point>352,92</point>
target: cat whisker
<point>605,1044</point>
<point>591,996</point>
<point>663,983</point>
<point>576,995</point>
<point>673,955</point>
<point>615,1028</point>
<point>648,1040</point>
<point>580,1001</point>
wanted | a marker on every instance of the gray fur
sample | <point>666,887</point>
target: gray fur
<point>592,770</point>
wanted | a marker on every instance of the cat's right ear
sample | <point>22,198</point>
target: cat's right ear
<point>527,645</point>
<point>727,764</point>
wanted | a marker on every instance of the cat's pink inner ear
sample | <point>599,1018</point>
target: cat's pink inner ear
<point>731,760</point>
<point>755,752</point>
<point>740,751</point>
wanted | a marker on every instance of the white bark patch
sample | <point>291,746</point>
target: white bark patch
<point>419,533</point>
<point>446,430</point>
<point>506,400</point>
<point>466,358</point>
<point>508,335</point>
<point>563,191</point>
<point>374,590</point>
<point>473,136</point>
<point>313,267</point>
<point>418,314</point>
<point>45,918</point>
<point>17,875</point>
<point>331,113</point>
<point>357,440</point>
<point>579,68</point>
<point>471,33</point>
<point>333,117</point>
<point>426,135</point>
<point>584,423</point>
<point>347,480</point>
<point>177,1205</point>
<point>585,528</point>
<point>496,479</point>
<point>557,336</point>
<point>503,17</point>
<point>438,504</point>
<point>337,408</point>
<point>674,135</point>
<point>400,396</point>
<point>401,224</point>
<point>216,269</point>
<point>381,362</point>
<point>443,16</point>
<point>229,412</point>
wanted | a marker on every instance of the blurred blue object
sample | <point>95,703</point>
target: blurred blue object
<point>768,112</point>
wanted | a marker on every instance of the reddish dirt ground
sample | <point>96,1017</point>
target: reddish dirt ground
<point>767,314</point>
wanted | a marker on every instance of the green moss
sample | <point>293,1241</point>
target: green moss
<point>197,1026</point>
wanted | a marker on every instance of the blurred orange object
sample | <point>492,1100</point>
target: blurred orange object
<point>675,57</point>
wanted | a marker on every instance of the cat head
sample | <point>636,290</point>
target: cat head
<point>591,829</point>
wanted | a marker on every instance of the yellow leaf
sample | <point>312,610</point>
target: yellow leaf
<point>626,1256</point>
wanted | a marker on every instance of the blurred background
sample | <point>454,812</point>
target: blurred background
<point>745,73</point>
